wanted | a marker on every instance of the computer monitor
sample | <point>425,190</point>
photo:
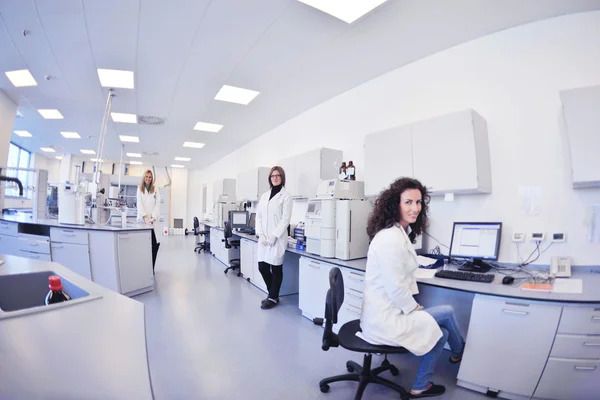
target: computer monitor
<point>238,219</point>
<point>252,222</point>
<point>476,240</point>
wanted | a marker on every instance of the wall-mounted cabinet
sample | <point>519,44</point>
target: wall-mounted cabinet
<point>581,110</point>
<point>305,171</point>
<point>252,184</point>
<point>224,190</point>
<point>449,153</point>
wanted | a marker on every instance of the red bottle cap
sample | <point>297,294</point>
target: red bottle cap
<point>54,283</point>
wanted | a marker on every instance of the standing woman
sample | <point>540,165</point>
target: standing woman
<point>272,221</point>
<point>148,208</point>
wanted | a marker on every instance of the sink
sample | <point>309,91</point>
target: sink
<point>29,290</point>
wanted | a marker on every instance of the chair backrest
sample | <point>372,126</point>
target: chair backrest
<point>227,233</point>
<point>333,303</point>
<point>196,226</point>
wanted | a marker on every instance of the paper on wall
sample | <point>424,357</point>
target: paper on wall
<point>531,198</point>
<point>449,197</point>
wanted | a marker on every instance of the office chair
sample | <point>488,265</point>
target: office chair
<point>227,233</point>
<point>201,246</point>
<point>347,339</point>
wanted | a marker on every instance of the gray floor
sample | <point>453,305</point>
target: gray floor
<point>209,339</point>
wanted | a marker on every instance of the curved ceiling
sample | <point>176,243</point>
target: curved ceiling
<point>183,51</point>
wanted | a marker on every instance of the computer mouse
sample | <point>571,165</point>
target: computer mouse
<point>508,280</point>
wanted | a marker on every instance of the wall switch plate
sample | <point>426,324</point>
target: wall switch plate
<point>559,237</point>
<point>518,237</point>
<point>536,236</point>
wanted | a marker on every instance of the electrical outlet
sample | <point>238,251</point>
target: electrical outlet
<point>518,237</point>
<point>536,236</point>
<point>559,237</point>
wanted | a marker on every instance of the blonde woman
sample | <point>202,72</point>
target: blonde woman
<point>148,207</point>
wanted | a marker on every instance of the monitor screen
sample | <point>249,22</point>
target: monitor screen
<point>238,219</point>
<point>476,240</point>
<point>252,221</point>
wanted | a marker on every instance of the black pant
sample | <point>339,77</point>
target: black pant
<point>155,246</point>
<point>273,276</point>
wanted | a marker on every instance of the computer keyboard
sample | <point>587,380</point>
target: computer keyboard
<point>465,276</point>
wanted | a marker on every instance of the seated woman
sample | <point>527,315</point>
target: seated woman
<point>390,314</point>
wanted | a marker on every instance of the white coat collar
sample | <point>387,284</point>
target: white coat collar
<point>409,245</point>
<point>280,193</point>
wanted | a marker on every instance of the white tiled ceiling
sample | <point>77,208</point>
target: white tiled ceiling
<point>183,51</point>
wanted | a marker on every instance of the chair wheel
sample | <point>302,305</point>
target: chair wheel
<point>225,271</point>
<point>248,279</point>
<point>349,368</point>
<point>239,274</point>
<point>394,371</point>
<point>324,388</point>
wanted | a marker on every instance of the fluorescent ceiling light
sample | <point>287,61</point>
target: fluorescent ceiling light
<point>346,10</point>
<point>51,114</point>
<point>87,151</point>
<point>58,157</point>
<point>23,133</point>
<point>47,149</point>
<point>131,139</point>
<point>135,155</point>
<point>96,159</point>
<point>125,118</point>
<point>207,127</point>
<point>176,166</point>
<point>135,162</point>
<point>114,78</point>
<point>182,159</point>
<point>195,145</point>
<point>237,95</point>
<point>21,78</point>
<point>71,135</point>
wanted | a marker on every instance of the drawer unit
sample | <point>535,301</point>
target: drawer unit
<point>65,235</point>
<point>576,346</point>
<point>9,228</point>
<point>353,279</point>
<point>33,244</point>
<point>580,320</point>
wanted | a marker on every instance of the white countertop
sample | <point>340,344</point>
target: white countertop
<point>116,227</point>
<point>92,348</point>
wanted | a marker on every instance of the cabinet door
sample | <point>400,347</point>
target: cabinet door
<point>247,185</point>
<point>512,339</point>
<point>308,173</point>
<point>9,245</point>
<point>444,153</point>
<point>135,261</point>
<point>568,379</point>
<point>246,259</point>
<point>258,279</point>
<point>313,286</point>
<point>76,257</point>
<point>388,156</point>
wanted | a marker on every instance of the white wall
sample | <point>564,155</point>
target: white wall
<point>52,165</point>
<point>512,78</point>
<point>8,111</point>
<point>179,197</point>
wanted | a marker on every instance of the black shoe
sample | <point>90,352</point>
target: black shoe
<point>262,302</point>
<point>434,390</point>
<point>455,361</point>
<point>269,304</point>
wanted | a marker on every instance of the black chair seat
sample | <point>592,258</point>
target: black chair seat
<point>206,232</point>
<point>348,340</point>
<point>235,243</point>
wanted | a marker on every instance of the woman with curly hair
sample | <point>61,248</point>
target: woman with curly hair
<point>390,315</point>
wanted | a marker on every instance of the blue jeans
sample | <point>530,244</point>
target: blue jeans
<point>444,316</point>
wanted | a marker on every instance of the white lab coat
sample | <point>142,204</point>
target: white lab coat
<point>272,219</point>
<point>149,204</point>
<point>388,313</point>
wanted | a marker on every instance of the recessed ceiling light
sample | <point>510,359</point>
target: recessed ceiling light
<point>48,149</point>
<point>207,127</point>
<point>237,95</point>
<point>132,139</point>
<point>51,114</point>
<point>125,118</point>
<point>135,155</point>
<point>96,159</point>
<point>59,157</point>
<point>114,78</point>
<point>346,10</point>
<point>87,151</point>
<point>182,159</point>
<point>21,78</point>
<point>177,166</point>
<point>71,135</point>
<point>23,133</point>
<point>196,145</point>
<point>135,162</point>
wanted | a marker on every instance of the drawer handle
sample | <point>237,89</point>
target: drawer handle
<point>595,318</point>
<point>4,226</point>
<point>585,367</point>
<point>69,234</point>
<point>33,244</point>
<point>514,312</point>
<point>591,344</point>
<point>352,311</point>
<point>355,279</point>
<point>34,256</point>
<point>353,295</point>
<point>314,266</point>
<point>57,246</point>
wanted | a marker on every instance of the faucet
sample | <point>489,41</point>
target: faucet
<point>16,180</point>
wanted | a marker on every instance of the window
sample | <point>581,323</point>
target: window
<point>18,158</point>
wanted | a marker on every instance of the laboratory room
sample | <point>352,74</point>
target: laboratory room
<point>300,199</point>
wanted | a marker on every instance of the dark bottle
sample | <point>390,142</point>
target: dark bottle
<point>56,294</point>
<point>343,168</point>
<point>351,171</point>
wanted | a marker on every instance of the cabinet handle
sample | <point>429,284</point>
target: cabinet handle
<point>69,234</point>
<point>591,344</point>
<point>314,266</point>
<point>57,246</point>
<point>585,367</point>
<point>352,311</point>
<point>4,226</point>
<point>595,318</point>
<point>353,295</point>
<point>355,279</point>
<point>34,256</point>
<point>33,244</point>
<point>514,312</point>
<point>123,236</point>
